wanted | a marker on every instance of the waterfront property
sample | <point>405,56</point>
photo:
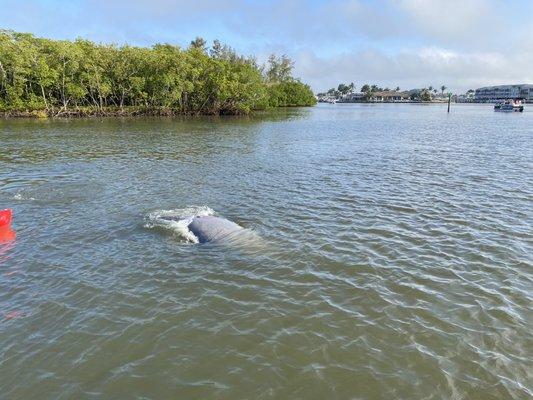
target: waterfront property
<point>390,96</point>
<point>375,94</point>
<point>468,97</point>
<point>384,96</point>
<point>356,97</point>
<point>504,92</point>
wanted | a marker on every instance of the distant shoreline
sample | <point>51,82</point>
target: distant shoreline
<point>125,112</point>
<point>387,102</point>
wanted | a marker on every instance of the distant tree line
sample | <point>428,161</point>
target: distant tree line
<point>424,94</point>
<point>59,77</point>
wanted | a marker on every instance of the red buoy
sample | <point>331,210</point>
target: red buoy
<point>6,233</point>
<point>6,217</point>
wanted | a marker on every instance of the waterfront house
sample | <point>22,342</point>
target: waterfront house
<point>389,96</point>
<point>357,97</point>
<point>468,97</point>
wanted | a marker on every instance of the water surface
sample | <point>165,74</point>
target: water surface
<point>395,258</point>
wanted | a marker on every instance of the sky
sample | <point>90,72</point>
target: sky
<point>462,44</point>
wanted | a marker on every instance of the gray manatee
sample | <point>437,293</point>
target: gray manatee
<point>210,228</point>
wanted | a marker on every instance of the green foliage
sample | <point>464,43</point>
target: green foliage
<point>425,95</point>
<point>279,69</point>
<point>61,76</point>
<point>365,88</point>
<point>290,94</point>
<point>343,89</point>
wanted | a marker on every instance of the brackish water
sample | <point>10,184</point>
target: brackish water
<point>395,256</point>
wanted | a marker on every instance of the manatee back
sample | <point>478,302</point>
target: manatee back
<point>210,228</point>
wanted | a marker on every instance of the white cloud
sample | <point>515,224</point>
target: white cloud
<point>414,68</point>
<point>461,43</point>
<point>451,19</point>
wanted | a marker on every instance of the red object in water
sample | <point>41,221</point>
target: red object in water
<point>6,233</point>
<point>5,217</point>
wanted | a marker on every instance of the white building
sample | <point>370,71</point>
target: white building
<point>504,92</point>
<point>390,96</point>
<point>356,97</point>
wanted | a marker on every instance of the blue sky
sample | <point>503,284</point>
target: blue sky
<point>411,43</point>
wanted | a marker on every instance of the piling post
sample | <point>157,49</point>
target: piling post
<point>449,101</point>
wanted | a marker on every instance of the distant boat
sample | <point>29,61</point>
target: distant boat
<point>509,106</point>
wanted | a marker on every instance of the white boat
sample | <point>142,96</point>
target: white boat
<point>509,106</point>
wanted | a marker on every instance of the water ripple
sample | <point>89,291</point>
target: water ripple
<point>394,259</point>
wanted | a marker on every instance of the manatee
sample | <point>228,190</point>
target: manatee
<point>210,228</point>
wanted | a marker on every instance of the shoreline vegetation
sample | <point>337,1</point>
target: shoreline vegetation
<point>59,78</point>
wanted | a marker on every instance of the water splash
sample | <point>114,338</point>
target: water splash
<point>21,197</point>
<point>177,220</point>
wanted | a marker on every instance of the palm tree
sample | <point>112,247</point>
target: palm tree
<point>442,89</point>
